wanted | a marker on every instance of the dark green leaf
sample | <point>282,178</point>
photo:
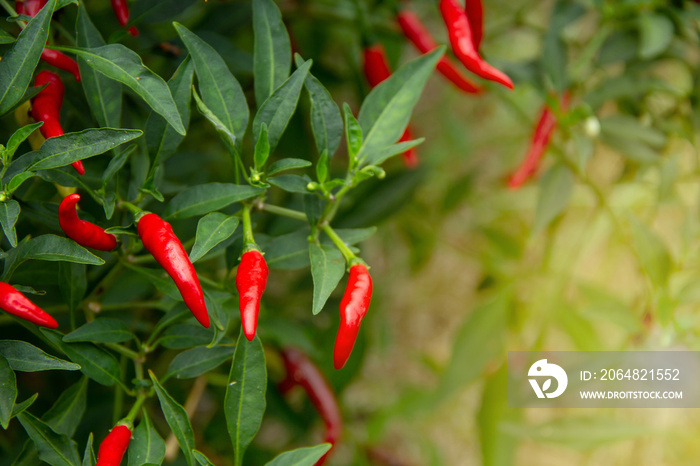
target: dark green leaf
<point>146,446</point>
<point>9,212</point>
<point>387,109</point>
<point>202,458</point>
<point>17,138</point>
<point>6,37</point>
<point>307,456</point>
<point>8,392</point>
<point>89,455</point>
<point>185,336</point>
<point>104,95</point>
<point>554,55</point>
<point>244,404</point>
<point>160,279</point>
<point>353,134</point>
<point>65,414</point>
<point>17,65</point>
<point>287,164</point>
<point>278,109</point>
<point>25,357</point>
<point>72,280</point>
<point>396,149</point>
<point>125,66</point>
<point>327,268</point>
<point>197,361</point>
<point>205,198</point>
<point>212,229</point>
<point>220,90</point>
<point>177,419</point>
<point>555,191</point>
<point>150,12</point>
<point>55,449</point>
<point>262,148</point>
<point>101,330</point>
<point>23,405</point>
<point>272,52</point>
<point>227,136</point>
<point>291,183</point>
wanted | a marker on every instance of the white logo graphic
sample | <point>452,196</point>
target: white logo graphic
<point>542,369</point>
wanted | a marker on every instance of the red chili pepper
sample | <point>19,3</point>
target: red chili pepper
<point>463,45</point>
<point>114,446</point>
<point>52,57</point>
<point>82,232</point>
<point>376,68</point>
<point>160,240</point>
<point>302,371</point>
<point>14,302</point>
<point>353,308</point>
<point>416,32</point>
<point>46,107</point>
<point>251,279</point>
<point>475,15</point>
<point>538,146</point>
<point>121,11</point>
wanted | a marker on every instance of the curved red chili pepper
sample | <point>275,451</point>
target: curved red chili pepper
<point>46,107</point>
<point>251,280</point>
<point>121,11</point>
<point>160,240</point>
<point>52,57</point>
<point>416,32</point>
<point>82,232</point>
<point>302,371</point>
<point>463,46</point>
<point>538,146</point>
<point>14,302</point>
<point>376,68</point>
<point>475,15</point>
<point>353,308</point>
<point>114,446</point>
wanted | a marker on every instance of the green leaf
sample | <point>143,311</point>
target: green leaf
<point>326,121</point>
<point>6,37</point>
<point>147,446</point>
<point>479,340</point>
<point>497,448</point>
<point>244,404</point>
<point>581,433</point>
<point>104,96</point>
<point>17,138</point>
<point>202,458</point>
<point>96,363</point>
<point>176,417</point>
<point>629,128</point>
<point>307,456</point>
<point>220,90</point>
<point>197,361</point>
<point>205,198</point>
<point>655,34</point>
<point>65,414</point>
<point>54,449</point>
<point>72,280</point>
<point>353,134</point>
<point>121,64</point>
<point>8,392</point>
<point>25,357</point>
<point>278,109</point>
<point>262,148</point>
<point>227,136</point>
<point>554,53</point>
<point>17,181</point>
<point>327,268</point>
<point>272,51</point>
<point>396,149</point>
<point>160,279</point>
<point>291,183</point>
<point>23,405</point>
<point>212,229</point>
<point>18,64</point>
<point>101,330</point>
<point>150,12</point>
<point>652,252</point>
<point>185,336</point>
<point>9,212</point>
<point>89,455</point>
<point>555,191</point>
<point>387,109</point>
<point>287,164</point>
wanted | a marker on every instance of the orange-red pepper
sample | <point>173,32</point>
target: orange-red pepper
<point>353,308</point>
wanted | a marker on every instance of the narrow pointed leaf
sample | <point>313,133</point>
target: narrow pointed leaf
<point>8,392</point>
<point>212,229</point>
<point>307,456</point>
<point>327,268</point>
<point>205,198</point>
<point>272,52</point>
<point>9,212</point>
<point>197,361</point>
<point>25,357</point>
<point>89,455</point>
<point>54,449</point>
<point>101,330</point>
<point>146,446</point>
<point>65,414</point>
<point>176,417</point>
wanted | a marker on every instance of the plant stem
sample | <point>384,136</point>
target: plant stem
<point>339,243</point>
<point>130,207</point>
<point>248,238</point>
<point>136,407</point>
<point>282,211</point>
<point>121,349</point>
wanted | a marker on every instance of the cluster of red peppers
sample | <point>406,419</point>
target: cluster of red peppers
<point>465,30</point>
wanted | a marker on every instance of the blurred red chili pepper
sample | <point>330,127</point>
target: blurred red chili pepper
<point>121,11</point>
<point>475,15</point>
<point>114,446</point>
<point>46,107</point>
<point>538,146</point>
<point>416,32</point>
<point>82,232</point>
<point>160,240</point>
<point>302,371</point>
<point>14,302</point>
<point>251,279</point>
<point>353,308</point>
<point>463,45</point>
<point>52,57</point>
<point>376,68</point>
